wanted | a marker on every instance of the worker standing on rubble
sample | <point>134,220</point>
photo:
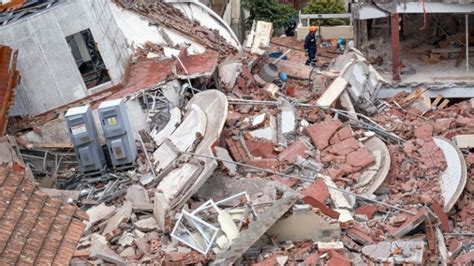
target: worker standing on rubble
<point>310,46</point>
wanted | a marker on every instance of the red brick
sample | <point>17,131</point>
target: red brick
<point>290,154</point>
<point>312,260</point>
<point>233,117</point>
<point>318,190</point>
<point>261,148</point>
<point>443,218</point>
<point>337,259</point>
<point>465,121</point>
<point>321,206</point>
<point>360,158</point>
<point>321,133</point>
<point>335,173</point>
<point>367,210</point>
<point>424,132</point>
<point>360,236</point>
<point>290,182</point>
<point>270,164</point>
<point>342,134</point>
<point>410,224</point>
<point>443,125</point>
<point>272,261</point>
<point>237,150</point>
<point>470,159</point>
<point>464,259</point>
<point>344,147</point>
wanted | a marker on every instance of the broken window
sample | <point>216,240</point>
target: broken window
<point>88,58</point>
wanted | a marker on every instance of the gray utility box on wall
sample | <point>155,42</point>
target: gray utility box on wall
<point>85,139</point>
<point>118,133</point>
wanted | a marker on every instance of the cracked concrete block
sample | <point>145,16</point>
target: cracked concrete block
<point>161,212</point>
<point>227,225</point>
<point>137,195</point>
<point>98,213</point>
<point>396,252</point>
<point>147,225</point>
<point>121,216</point>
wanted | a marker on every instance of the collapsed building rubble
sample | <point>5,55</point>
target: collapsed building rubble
<point>239,163</point>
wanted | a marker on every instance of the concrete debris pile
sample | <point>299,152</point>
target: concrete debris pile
<point>254,158</point>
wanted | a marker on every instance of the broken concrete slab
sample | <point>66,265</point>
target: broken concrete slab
<point>332,93</point>
<point>294,69</point>
<point>137,195</point>
<point>259,37</point>
<point>126,239</point>
<point>147,225</point>
<point>395,252</point>
<point>365,82</point>
<point>121,216</point>
<point>464,141</point>
<point>101,251</point>
<point>454,179</point>
<point>411,223</point>
<point>298,148</point>
<point>215,106</point>
<point>161,211</point>
<point>97,214</point>
<point>174,121</point>
<point>287,117</point>
<point>304,225</point>
<point>269,133</point>
<point>223,154</point>
<point>174,182</point>
<point>183,138</point>
<point>227,225</point>
<point>264,221</point>
<point>338,198</point>
<point>321,133</point>
<point>229,71</point>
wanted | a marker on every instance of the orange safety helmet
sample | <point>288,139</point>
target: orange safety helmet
<point>313,29</point>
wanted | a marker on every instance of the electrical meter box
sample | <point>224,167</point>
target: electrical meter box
<point>85,140</point>
<point>118,133</point>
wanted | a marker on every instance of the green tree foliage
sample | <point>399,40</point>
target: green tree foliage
<point>269,11</point>
<point>326,7</point>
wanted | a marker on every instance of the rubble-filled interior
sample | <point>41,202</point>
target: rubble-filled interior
<point>431,47</point>
<point>243,157</point>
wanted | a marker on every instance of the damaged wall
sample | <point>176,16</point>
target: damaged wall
<point>208,18</point>
<point>44,52</point>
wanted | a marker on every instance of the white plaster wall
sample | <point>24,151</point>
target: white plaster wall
<point>195,12</point>
<point>138,31</point>
<point>49,76</point>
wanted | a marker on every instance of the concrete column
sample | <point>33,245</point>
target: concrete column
<point>395,46</point>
